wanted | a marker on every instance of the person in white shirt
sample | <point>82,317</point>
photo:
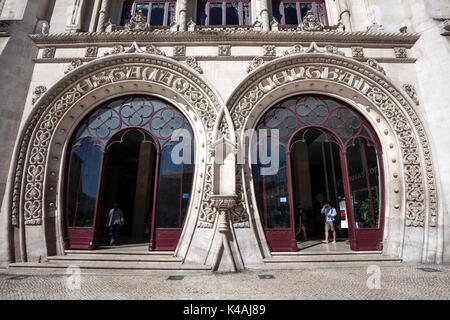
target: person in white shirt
<point>330,216</point>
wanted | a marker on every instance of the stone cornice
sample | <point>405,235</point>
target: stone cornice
<point>367,39</point>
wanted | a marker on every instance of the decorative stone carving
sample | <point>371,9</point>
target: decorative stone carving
<point>49,53</point>
<point>374,64</point>
<point>154,50</point>
<point>28,186</point>
<point>179,51</point>
<point>255,63</point>
<point>73,65</point>
<point>138,23</point>
<point>411,92</point>
<point>193,63</point>
<point>38,92</point>
<point>191,25</point>
<point>357,52</point>
<point>274,25</point>
<point>310,23</point>
<point>115,50</point>
<point>224,51</point>
<point>269,51</point>
<point>135,48</point>
<point>313,48</point>
<point>391,103</point>
<point>400,53</point>
<point>375,27</point>
<point>91,52</point>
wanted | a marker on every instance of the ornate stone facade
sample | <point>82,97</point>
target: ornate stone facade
<point>223,79</point>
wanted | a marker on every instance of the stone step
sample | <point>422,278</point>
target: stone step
<point>108,265</point>
<point>116,258</point>
<point>329,258</point>
<point>319,253</point>
<point>114,251</point>
<point>315,266</point>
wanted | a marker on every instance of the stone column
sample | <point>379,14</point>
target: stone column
<point>103,15</point>
<point>182,14</point>
<point>264,13</point>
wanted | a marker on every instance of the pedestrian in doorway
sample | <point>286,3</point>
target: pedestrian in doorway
<point>330,216</point>
<point>301,221</point>
<point>115,221</point>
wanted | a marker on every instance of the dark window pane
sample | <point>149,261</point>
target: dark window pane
<point>363,209</point>
<point>126,15</point>
<point>157,16</point>
<point>169,192</point>
<point>215,14</point>
<point>201,16</point>
<point>304,8</point>
<point>84,171</point>
<point>276,11</point>
<point>290,13</point>
<point>232,13</point>
<point>171,13</point>
<point>246,13</point>
<point>321,13</point>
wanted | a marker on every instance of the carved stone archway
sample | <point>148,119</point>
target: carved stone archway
<point>36,186</point>
<point>411,206</point>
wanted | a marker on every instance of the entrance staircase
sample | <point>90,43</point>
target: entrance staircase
<point>301,259</point>
<point>112,259</point>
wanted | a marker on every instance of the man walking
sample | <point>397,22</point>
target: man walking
<point>330,216</point>
<point>115,221</point>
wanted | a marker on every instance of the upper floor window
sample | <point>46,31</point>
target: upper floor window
<point>157,12</point>
<point>223,12</point>
<point>293,11</point>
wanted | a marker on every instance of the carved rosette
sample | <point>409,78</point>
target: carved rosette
<point>28,187</point>
<point>91,52</point>
<point>224,50</point>
<point>358,52</point>
<point>49,53</point>
<point>401,53</point>
<point>411,92</point>
<point>73,65</point>
<point>193,63</point>
<point>269,51</point>
<point>179,51</point>
<point>255,63</point>
<point>402,117</point>
<point>38,92</point>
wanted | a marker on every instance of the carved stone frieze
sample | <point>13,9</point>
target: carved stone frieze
<point>313,48</point>
<point>27,195</point>
<point>418,175</point>
<point>193,63</point>
<point>73,65</point>
<point>135,48</point>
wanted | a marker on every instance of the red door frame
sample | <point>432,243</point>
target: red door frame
<point>360,239</point>
<point>160,238</point>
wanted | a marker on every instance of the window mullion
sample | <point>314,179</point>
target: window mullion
<point>224,13</point>
<point>299,13</point>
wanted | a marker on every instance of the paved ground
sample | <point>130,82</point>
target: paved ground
<point>399,281</point>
